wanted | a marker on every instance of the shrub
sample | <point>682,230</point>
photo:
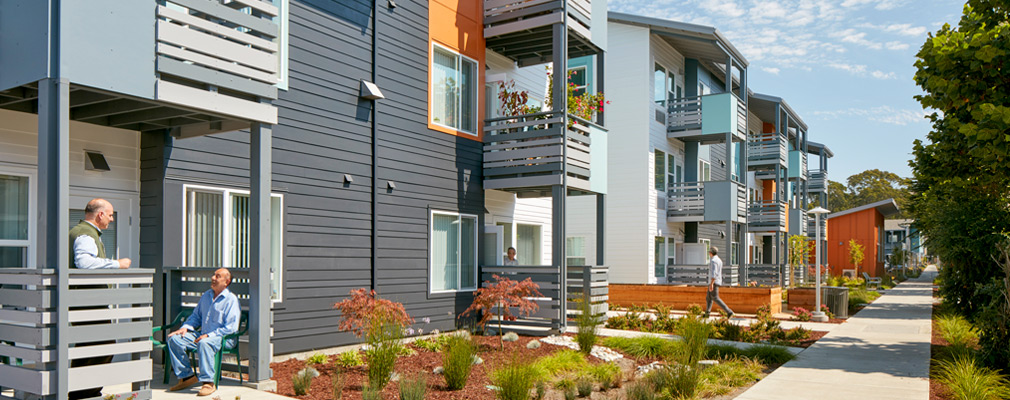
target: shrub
<point>801,314</point>
<point>503,295</point>
<point>540,388</point>
<point>967,380</point>
<point>643,346</point>
<point>956,330</point>
<point>565,385</point>
<point>301,381</point>
<point>561,362</point>
<point>315,359</point>
<point>350,359</point>
<point>384,348</point>
<point>641,391</point>
<point>695,335</point>
<point>678,381</point>
<point>369,392</point>
<point>413,388</point>
<point>723,351</point>
<point>584,386</point>
<point>588,327</point>
<point>726,330</point>
<point>723,378</point>
<point>457,360</point>
<point>860,296</point>
<point>514,380</point>
<point>364,310</point>
<point>608,375</point>
<point>570,394</point>
<point>796,335</point>
<point>337,385</point>
<point>432,344</point>
<point>768,354</point>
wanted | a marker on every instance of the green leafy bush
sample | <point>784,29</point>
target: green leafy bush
<point>564,361</point>
<point>384,348</point>
<point>514,380</point>
<point>413,388</point>
<point>457,360</point>
<point>641,391</point>
<point>768,354</point>
<point>608,375</point>
<point>643,346</point>
<point>584,386</point>
<point>350,359</point>
<point>315,359</point>
<point>301,381</point>
<point>969,381</point>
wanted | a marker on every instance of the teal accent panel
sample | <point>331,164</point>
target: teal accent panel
<point>794,163</point>
<point>720,201</point>
<point>109,44</point>
<point>718,113</point>
<point>598,159</point>
<point>587,62</point>
<point>24,42</point>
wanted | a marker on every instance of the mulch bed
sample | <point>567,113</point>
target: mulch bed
<point>936,390</point>
<point>422,363</point>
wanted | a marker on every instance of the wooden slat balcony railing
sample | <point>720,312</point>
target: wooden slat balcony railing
<point>766,151</point>
<point>220,56</point>
<point>548,318</point>
<point>503,17</point>
<point>707,118</point>
<point>536,151</point>
<point>818,181</point>
<point>110,316</point>
<point>766,216</point>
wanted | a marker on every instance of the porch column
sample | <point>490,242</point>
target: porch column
<point>560,191</point>
<point>259,254</point>
<point>601,222</point>
<point>52,244</point>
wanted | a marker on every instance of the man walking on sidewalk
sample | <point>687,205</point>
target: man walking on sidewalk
<point>714,281</point>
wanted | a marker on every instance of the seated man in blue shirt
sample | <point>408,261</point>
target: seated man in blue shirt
<point>215,316</point>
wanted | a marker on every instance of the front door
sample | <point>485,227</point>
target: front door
<point>494,242</point>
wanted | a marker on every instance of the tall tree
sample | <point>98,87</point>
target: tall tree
<point>874,185</point>
<point>839,198</point>
<point>961,187</point>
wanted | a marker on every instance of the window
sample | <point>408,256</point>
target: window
<point>673,91</point>
<point>575,251</point>
<point>659,171</point>
<point>577,76</point>
<point>453,251</point>
<point>671,170</point>
<point>737,163</point>
<point>659,85</point>
<point>659,250</point>
<point>15,241</point>
<point>454,90</point>
<point>704,171</point>
<point>507,233</point>
<point>708,245</point>
<point>217,231</point>
<point>528,241</point>
<point>734,253</point>
<point>703,89</point>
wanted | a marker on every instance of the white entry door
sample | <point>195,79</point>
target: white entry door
<point>494,243</point>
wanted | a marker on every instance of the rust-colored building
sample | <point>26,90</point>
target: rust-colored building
<point>865,224</point>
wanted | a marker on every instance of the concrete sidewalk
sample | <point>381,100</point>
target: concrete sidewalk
<point>880,353</point>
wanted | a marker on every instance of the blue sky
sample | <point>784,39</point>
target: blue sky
<point>846,66</point>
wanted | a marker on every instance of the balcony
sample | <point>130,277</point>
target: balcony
<point>765,151</point>
<point>110,314</point>
<point>707,119</point>
<point>798,165</point>
<point>766,216</point>
<point>818,181</point>
<point>824,228</point>
<point>523,29</point>
<point>712,201</point>
<point>797,221</point>
<point>197,66</point>
<point>530,153</point>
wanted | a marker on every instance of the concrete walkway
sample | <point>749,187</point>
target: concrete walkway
<point>228,389</point>
<point>880,353</point>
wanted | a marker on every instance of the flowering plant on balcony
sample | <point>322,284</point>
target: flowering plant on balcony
<point>585,105</point>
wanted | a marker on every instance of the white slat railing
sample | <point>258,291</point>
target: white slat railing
<point>767,148</point>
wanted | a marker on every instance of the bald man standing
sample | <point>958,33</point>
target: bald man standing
<point>86,248</point>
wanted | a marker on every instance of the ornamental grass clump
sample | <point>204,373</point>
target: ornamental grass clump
<point>337,386</point>
<point>413,388</point>
<point>695,333</point>
<point>384,348</point>
<point>959,333</point>
<point>301,381</point>
<point>382,323</point>
<point>608,375</point>
<point>457,361</point>
<point>968,380</point>
<point>584,386</point>
<point>641,391</point>
<point>588,327</point>
<point>769,354</point>
<point>515,380</point>
<point>643,346</point>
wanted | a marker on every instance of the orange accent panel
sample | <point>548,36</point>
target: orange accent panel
<point>862,226</point>
<point>768,128</point>
<point>458,25</point>
<point>768,194</point>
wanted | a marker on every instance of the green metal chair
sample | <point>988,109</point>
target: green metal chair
<point>243,327</point>
<point>179,319</point>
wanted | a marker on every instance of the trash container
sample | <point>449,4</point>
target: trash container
<point>837,300</point>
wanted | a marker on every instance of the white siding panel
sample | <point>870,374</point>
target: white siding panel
<point>505,207</point>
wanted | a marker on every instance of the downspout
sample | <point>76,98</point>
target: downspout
<point>375,147</point>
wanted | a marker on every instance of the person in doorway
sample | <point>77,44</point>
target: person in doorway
<point>510,257</point>
<point>714,281</point>
<point>216,315</point>
<point>88,252</point>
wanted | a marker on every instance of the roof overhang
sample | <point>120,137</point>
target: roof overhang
<point>885,207</point>
<point>818,149</point>
<point>763,106</point>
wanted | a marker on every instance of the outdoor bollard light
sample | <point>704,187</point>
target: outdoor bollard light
<point>818,315</point>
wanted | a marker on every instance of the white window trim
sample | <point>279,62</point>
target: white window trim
<point>666,183</point>
<point>584,257</point>
<point>701,170</point>
<point>585,71</point>
<point>431,247</point>
<point>459,101</point>
<point>226,233</point>
<point>666,90</point>
<point>515,231</point>
<point>283,40</point>
<point>29,244</point>
<point>708,243</point>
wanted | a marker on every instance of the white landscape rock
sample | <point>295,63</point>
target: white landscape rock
<point>533,344</point>
<point>510,337</point>
<point>600,352</point>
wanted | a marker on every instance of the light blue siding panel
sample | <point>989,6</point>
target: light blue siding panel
<point>24,36</point>
<point>109,44</point>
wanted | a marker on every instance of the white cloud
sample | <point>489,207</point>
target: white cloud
<point>883,75</point>
<point>850,68</point>
<point>878,4</point>
<point>896,45</point>
<point>773,71</point>
<point>882,114</point>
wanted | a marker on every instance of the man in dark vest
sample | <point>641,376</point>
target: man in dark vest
<point>88,252</point>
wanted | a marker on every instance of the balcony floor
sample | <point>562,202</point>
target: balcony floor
<point>696,135</point>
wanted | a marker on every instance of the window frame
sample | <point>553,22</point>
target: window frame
<point>540,241</point>
<point>704,171</point>
<point>671,170</point>
<point>226,236</point>
<point>30,244</point>
<point>585,85</point>
<point>662,168</point>
<point>459,100</point>
<point>459,274</point>
<point>708,246</point>
<point>568,248</point>
<point>655,96</point>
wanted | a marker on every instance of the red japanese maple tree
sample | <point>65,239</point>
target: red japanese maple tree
<point>364,310</point>
<point>503,295</point>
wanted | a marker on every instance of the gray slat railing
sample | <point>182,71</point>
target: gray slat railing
<point>767,215</point>
<point>766,275</point>
<point>767,149</point>
<point>591,281</point>
<point>503,17</point>
<point>818,180</point>
<point>529,151</point>
<point>110,315</point>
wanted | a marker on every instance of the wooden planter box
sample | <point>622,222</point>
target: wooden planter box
<point>740,299</point>
<point>801,297</point>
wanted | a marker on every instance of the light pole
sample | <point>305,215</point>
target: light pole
<point>818,315</point>
<point>908,246</point>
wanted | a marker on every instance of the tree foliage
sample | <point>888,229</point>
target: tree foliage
<point>502,296</point>
<point>800,248</point>
<point>856,254</point>
<point>365,311</point>
<point>961,174</point>
<point>867,187</point>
